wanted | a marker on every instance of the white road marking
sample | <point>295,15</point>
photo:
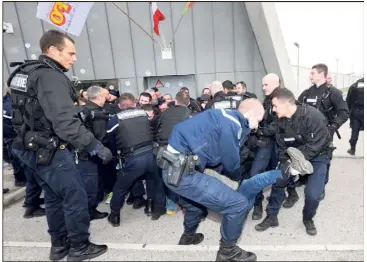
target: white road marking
<point>203,248</point>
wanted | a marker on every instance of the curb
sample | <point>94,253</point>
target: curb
<point>349,157</point>
<point>14,197</point>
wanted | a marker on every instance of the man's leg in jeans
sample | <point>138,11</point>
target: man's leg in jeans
<point>251,187</point>
<point>213,194</point>
<point>259,165</point>
<point>313,192</point>
<point>155,188</point>
<point>33,192</point>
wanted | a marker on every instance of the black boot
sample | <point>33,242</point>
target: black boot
<point>86,250</point>
<point>138,202</point>
<point>148,210</point>
<point>291,199</point>
<point>234,253</point>
<point>130,200</point>
<point>60,248</point>
<point>269,221</point>
<point>95,214</point>
<point>32,211</point>
<point>20,183</point>
<point>352,151</point>
<point>114,219</point>
<point>158,212</point>
<point>5,190</point>
<point>310,227</point>
<point>191,239</point>
<point>258,212</point>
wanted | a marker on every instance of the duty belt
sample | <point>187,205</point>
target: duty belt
<point>135,152</point>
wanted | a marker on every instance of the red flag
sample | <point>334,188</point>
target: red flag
<point>157,17</point>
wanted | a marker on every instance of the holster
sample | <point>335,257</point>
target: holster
<point>155,148</point>
<point>178,166</point>
<point>45,148</point>
<point>161,162</point>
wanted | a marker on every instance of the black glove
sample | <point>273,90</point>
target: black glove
<point>252,141</point>
<point>332,129</point>
<point>97,148</point>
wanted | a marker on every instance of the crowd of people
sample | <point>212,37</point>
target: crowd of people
<point>166,152</point>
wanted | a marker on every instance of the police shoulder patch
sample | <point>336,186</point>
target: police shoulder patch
<point>19,82</point>
<point>131,114</point>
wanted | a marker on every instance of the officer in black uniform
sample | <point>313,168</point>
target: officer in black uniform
<point>95,120</point>
<point>305,128</point>
<point>163,129</point>
<point>194,106</point>
<point>33,190</point>
<point>355,101</point>
<point>131,139</point>
<point>330,102</point>
<point>47,127</point>
<point>224,96</point>
<point>111,101</point>
<point>241,89</point>
<point>266,145</point>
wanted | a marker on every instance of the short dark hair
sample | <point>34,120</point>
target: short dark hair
<point>184,89</point>
<point>54,38</point>
<point>147,107</point>
<point>147,95</point>
<point>242,83</point>
<point>228,85</point>
<point>321,68</point>
<point>127,96</point>
<point>183,98</point>
<point>202,91</point>
<point>283,94</point>
<point>155,89</point>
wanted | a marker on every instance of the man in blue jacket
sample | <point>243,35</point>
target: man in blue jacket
<point>209,139</point>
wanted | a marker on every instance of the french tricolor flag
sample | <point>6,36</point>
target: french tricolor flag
<point>157,17</point>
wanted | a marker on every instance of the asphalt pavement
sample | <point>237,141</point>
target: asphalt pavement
<point>339,221</point>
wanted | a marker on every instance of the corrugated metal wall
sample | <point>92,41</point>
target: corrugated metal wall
<point>214,42</point>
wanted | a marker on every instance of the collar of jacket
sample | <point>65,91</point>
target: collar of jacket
<point>219,94</point>
<point>54,62</point>
<point>93,105</point>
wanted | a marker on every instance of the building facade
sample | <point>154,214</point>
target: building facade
<point>214,41</point>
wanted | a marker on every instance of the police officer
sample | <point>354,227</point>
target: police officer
<point>305,128</point>
<point>266,140</point>
<point>94,119</point>
<point>33,190</point>
<point>47,126</point>
<point>131,139</point>
<point>206,140</point>
<point>329,100</point>
<point>223,96</point>
<point>163,128</point>
<point>111,101</point>
<point>194,106</point>
<point>241,89</point>
<point>355,101</point>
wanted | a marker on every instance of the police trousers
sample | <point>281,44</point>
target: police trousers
<point>313,190</point>
<point>33,190</point>
<point>266,159</point>
<point>200,190</point>
<point>66,200</point>
<point>357,124</point>
<point>88,170</point>
<point>135,168</point>
<point>8,156</point>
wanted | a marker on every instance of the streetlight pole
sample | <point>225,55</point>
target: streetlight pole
<point>297,45</point>
<point>337,72</point>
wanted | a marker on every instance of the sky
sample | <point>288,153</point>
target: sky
<point>325,32</point>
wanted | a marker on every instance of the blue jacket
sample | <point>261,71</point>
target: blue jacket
<point>215,136</point>
<point>7,117</point>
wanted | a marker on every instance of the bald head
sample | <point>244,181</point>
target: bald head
<point>253,110</point>
<point>216,87</point>
<point>270,82</point>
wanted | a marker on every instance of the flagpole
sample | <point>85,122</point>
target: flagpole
<point>164,41</point>
<point>174,32</point>
<point>150,36</point>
